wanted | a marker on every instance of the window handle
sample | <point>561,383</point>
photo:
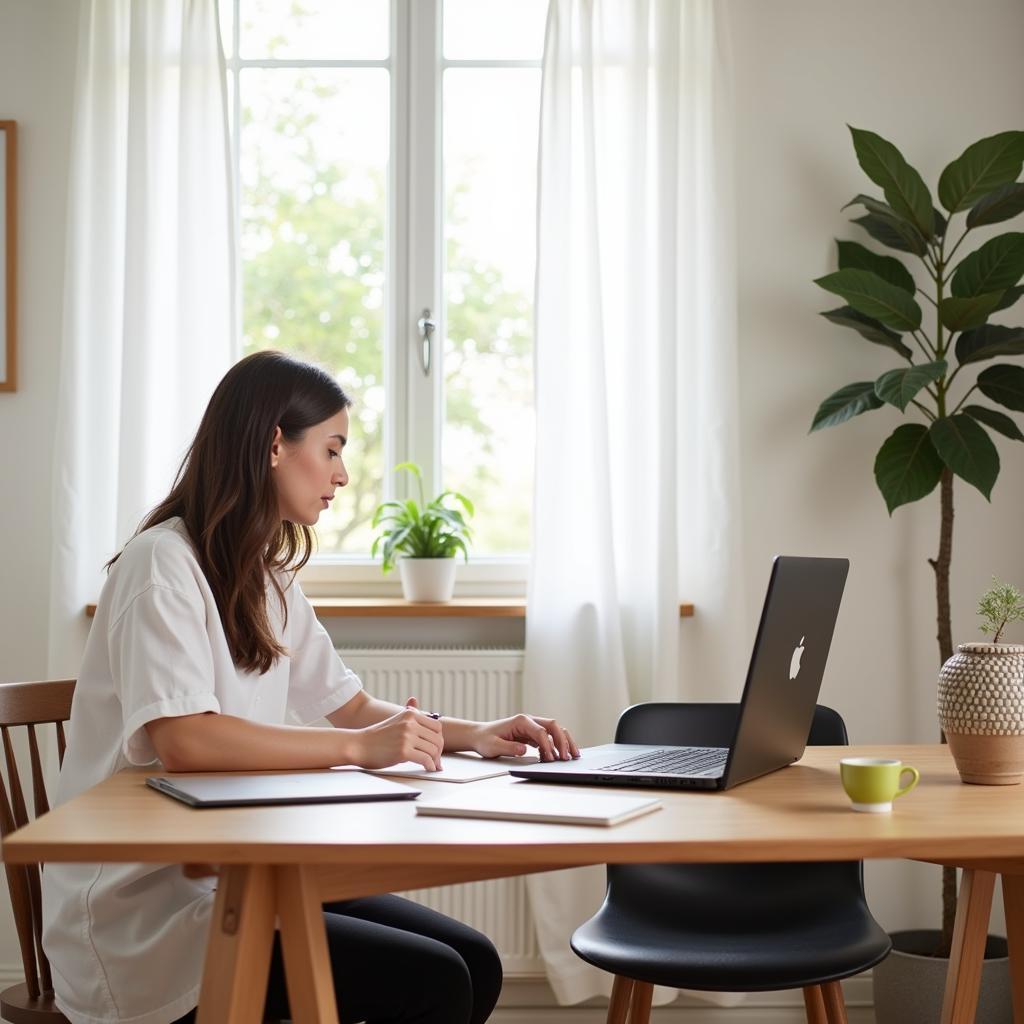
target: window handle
<point>425,326</point>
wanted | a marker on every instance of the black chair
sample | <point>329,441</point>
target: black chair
<point>729,927</point>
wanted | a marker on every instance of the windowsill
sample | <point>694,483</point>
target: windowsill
<point>396,607</point>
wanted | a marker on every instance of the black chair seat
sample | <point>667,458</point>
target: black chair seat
<point>729,927</point>
<point>712,945</point>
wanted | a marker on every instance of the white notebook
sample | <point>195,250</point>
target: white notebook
<point>457,768</point>
<point>530,802</point>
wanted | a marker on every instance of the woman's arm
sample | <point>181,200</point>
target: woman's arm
<point>216,742</point>
<point>508,737</point>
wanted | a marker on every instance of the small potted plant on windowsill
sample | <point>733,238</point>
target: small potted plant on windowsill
<point>424,539</point>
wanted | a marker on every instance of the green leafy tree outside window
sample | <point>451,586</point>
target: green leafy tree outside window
<point>314,282</point>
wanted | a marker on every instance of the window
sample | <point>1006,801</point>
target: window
<point>386,154</point>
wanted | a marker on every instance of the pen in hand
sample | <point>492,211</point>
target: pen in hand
<point>412,702</point>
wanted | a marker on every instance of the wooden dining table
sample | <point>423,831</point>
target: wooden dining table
<point>277,865</point>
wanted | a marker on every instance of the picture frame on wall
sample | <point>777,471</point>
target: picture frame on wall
<point>8,256</point>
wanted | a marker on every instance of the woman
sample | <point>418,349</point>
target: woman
<point>202,643</point>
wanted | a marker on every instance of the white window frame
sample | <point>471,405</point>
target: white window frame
<point>414,411</point>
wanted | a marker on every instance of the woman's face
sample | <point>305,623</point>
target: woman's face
<point>308,472</point>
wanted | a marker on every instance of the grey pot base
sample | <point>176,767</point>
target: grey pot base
<point>909,983</point>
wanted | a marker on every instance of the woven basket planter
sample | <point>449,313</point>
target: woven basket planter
<point>981,711</point>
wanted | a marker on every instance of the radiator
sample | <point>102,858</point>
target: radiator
<point>476,683</point>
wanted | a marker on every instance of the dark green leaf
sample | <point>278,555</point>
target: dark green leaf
<point>907,466</point>
<point>989,341</point>
<point>996,420</point>
<point>963,314</point>
<point>871,204</point>
<point>898,387</point>
<point>904,188</point>
<point>1010,296</point>
<point>1003,384</point>
<point>967,449</point>
<point>874,330</point>
<point>876,298</point>
<point>846,403</point>
<point>940,224</point>
<point>885,225</point>
<point>999,205</point>
<point>995,266</point>
<point>982,167</point>
<point>893,232</point>
<point>853,256</point>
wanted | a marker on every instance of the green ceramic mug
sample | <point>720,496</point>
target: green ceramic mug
<point>872,783</point>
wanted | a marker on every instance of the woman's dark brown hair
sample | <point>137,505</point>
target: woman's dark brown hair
<point>225,494</point>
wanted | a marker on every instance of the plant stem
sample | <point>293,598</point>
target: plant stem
<point>924,408</point>
<point>948,911</point>
<point>923,344</point>
<point>955,247</point>
<point>941,565</point>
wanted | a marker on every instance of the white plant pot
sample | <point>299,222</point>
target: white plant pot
<point>427,579</point>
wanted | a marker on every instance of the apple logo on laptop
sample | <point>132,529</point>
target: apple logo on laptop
<point>794,664</point>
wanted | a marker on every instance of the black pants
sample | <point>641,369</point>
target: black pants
<point>395,962</point>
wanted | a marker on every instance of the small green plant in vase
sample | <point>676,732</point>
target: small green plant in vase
<point>1000,606</point>
<point>423,538</point>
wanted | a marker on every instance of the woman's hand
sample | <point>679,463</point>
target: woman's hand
<point>410,735</point>
<point>509,737</point>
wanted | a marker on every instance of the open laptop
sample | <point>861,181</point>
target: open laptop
<point>786,669</point>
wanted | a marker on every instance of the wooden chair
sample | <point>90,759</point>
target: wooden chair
<point>29,705</point>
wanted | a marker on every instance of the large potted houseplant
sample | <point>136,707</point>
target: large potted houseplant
<point>423,538</point>
<point>948,435</point>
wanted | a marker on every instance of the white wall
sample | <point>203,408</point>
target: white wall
<point>37,60</point>
<point>932,76</point>
<point>37,64</point>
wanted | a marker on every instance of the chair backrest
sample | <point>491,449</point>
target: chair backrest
<point>29,705</point>
<point>714,892</point>
<point>710,725</point>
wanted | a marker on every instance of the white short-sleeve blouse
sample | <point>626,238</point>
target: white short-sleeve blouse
<point>126,941</point>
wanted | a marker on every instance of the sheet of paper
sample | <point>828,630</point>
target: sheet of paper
<point>458,768</point>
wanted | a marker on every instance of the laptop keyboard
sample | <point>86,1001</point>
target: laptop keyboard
<point>676,761</point>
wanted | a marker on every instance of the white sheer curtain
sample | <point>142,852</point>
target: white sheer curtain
<point>149,293</point>
<point>637,496</point>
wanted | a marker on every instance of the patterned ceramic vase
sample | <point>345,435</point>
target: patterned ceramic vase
<point>981,711</point>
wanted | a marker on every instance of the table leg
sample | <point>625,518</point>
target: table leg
<point>307,963</point>
<point>963,980</point>
<point>238,952</point>
<point>1013,903</point>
